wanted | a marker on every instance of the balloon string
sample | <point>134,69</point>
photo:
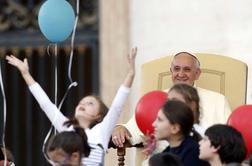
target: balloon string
<point>48,49</point>
<point>4,118</point>
<point>55,75</point>
<point>45,143</point>
<point>56,79</point>
<point>72,84</point>
<point>55,100</point>
<point>69,77</point>
<point>72,42</point>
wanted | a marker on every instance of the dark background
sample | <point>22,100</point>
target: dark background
<point>27,125</point>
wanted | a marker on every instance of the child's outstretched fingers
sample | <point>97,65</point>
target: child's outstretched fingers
<point>132,54</point>
<point>131,67</point>
<point>21,65</point>
<point>131,60</point>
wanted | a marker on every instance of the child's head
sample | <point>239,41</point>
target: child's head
<point>92,109</point>
<point>67,148</point>
<point>188,95</point>
<point>222,141</point>
<point>174,118</point>
<point>165,159</point>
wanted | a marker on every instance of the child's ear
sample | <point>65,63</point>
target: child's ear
<point>99,118</point>
<point>175,128</point>
<point>215,149</point>
<point>75,157</point>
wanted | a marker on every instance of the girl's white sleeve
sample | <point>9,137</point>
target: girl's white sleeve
<point>107,125</point>
<point>50,109</point>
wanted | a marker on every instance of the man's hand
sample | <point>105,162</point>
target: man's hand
<point>119,135</point>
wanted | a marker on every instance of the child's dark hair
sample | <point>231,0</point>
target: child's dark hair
<point>70,142</point>
<point>190,95</point>
<point>229,141</point>
<point>180,113</point>
<point>165,159</point>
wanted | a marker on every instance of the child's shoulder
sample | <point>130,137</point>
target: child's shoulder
<point>190,144</point>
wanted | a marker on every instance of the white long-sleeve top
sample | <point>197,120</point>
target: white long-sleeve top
<point>99,135</point>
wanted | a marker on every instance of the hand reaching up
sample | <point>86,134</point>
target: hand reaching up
<point>131,71</point>
<point>22,67</point>
<point>131,60</point>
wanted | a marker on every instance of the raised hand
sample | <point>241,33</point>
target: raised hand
<point>131,65</point>
<point>131,60</point>
<point>22,67</point>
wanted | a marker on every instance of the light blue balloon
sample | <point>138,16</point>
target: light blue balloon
<point>56,20</point>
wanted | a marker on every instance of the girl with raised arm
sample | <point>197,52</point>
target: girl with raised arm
<point>91,113</point>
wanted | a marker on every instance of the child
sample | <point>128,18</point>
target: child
<point>174,124</point>
<point>222,145</point>
<point>91,113</point>
<point>68,147</point>
<point>165,159</point>
<point>188,95</point>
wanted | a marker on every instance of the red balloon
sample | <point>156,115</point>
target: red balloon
<point>147,109</point>
<point>241,119</point>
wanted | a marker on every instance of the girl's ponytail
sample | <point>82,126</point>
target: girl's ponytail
<point>71,122</point>
<point>195,135</point>
<point>86,148</point>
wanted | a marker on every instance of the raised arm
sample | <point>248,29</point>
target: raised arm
<point>23,67</point>
<point>50,109</point>
<point>131,65</point>
<point>110,120</point>
<point>120,133</point>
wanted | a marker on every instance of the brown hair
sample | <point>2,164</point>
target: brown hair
<point>103,110</point>
<point>180,113</point>
<point>190,95</point>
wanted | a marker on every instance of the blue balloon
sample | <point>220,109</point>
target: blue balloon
<point>56,20</point>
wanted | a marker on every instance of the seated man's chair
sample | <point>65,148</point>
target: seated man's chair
<point>222,74</point>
